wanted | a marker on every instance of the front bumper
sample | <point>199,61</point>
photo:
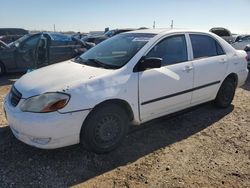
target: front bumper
<point>45,130</point>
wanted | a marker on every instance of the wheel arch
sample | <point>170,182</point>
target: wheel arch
<point>122,103</point>
<point>119,102</point>
<point>233,76</point>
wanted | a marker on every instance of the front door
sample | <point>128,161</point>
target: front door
<point>166,89</point>
<point>26,53</point>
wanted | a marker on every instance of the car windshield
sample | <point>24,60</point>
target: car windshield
<point>116,51</point>
<point>18,41</point>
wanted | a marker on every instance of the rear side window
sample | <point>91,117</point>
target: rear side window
<point>205,46</point>
<point>172,50</point>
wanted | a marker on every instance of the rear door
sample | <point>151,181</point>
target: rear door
<point>62,47</point>
<point>210,66</point>
<point>166,89</point>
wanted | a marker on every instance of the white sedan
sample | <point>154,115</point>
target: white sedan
<point>132,77</point>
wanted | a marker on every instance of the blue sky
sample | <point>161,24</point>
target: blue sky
<point>89,15</point>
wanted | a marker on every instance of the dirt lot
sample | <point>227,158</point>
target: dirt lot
<point>205,147</point>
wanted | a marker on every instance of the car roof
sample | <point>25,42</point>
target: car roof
<point>55,36</point>
<point>167,31</point>
<point>227,47</point>
<point>124,29</point>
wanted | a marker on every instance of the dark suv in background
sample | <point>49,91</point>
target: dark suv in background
<point>8,35</point>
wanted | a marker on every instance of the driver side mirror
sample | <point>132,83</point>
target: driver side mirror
<point>247,48</point>
<point>148,63</point>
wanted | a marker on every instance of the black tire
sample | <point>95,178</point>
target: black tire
<point>226,93</point>
<point>2,69</point>
<point>104,129</point>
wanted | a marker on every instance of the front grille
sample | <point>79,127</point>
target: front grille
<point>15,96</point>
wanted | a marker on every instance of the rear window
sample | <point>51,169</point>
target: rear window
<point>205,46</point>
<point>222,33</point>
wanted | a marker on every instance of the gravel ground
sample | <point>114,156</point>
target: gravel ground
<point>204,147</point>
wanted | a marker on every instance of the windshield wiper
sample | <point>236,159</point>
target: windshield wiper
<point>78,60</point>
<point>104,65</point>
<point>95,61</point>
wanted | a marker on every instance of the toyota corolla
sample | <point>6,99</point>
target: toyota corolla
<point>133,77</point>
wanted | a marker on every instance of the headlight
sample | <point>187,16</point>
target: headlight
<point>47,102</point>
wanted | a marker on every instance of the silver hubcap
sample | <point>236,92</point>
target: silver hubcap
<point>107,129</point>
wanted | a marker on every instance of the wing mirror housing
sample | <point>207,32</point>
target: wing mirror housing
<point>148,63</point>
<point>247,48</point>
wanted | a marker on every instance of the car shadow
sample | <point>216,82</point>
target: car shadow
<point>23,166</point>
<point>9,79</point>
<point>246,86</point>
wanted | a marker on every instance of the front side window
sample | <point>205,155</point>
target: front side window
<point>205,46</point>
<point>116,51</point>
<point>31,42</point>
<point>19,41</point>
<point>172,50</point>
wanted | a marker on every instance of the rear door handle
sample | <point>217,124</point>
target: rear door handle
<point>188,68</point>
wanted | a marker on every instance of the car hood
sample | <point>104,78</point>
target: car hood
<point>57,77</point>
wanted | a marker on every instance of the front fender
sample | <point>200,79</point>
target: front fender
<point>89,94</point>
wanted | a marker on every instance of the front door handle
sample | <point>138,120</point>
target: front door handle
<point>188,68</point>
<point>223,60</point>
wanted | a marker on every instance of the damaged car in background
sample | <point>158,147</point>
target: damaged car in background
<point>242,42</point>
<point>33,51</point>
<point>223,33</point>
<point>130,78</point>
<point>96,39</point>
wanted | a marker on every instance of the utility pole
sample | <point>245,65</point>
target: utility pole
<point>172,24</point>
<point>154,25</point>
<point>54,27</point>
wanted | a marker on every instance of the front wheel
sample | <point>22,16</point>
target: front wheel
<point>226,93</point>
<point>104,129</point>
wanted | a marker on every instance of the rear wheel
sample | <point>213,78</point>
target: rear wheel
<point>226,93</point>
<point>104,129</point>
